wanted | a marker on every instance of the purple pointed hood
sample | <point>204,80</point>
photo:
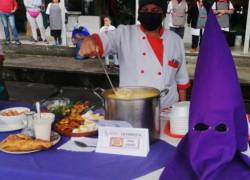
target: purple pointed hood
<point>217,121</point>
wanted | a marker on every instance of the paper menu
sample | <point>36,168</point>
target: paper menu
<point>123,141</point>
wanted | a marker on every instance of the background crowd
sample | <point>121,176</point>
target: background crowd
<point>180,15</point>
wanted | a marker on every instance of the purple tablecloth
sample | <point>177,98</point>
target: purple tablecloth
<point>61,165</point>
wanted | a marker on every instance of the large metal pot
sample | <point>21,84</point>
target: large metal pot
<point>142,112</point>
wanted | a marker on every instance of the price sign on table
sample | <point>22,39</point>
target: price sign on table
<point>123,141</point>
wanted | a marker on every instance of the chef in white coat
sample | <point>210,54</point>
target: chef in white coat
<point>149,55</point>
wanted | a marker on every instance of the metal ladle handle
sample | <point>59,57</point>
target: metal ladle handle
<point>106,72</point>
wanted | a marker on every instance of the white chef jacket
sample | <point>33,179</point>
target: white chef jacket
<point>139,65</point>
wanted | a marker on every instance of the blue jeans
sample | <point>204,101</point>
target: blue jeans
<point>8,19</point>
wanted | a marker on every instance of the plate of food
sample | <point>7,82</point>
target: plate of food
<point>74,124</point>
<point>24,144</point>
<point>76,128</point>
<point>91,115</point>
<point>12,119</point>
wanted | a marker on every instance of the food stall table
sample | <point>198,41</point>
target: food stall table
<point>65,165</point>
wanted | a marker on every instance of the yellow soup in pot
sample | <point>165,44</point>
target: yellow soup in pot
<point>127,94</point>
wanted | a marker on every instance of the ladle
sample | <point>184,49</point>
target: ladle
<point>106,73</point>
<point>120,92</point>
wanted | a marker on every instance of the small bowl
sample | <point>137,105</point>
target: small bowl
<point>56,106</point>
<point>12,122</point>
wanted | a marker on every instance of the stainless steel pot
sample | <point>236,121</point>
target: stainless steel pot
<point>143,112</point>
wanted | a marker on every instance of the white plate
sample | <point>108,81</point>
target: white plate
<point>6,128</point>
<point>54,142</point>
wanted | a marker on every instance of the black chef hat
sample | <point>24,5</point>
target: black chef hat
<point>160,3</point>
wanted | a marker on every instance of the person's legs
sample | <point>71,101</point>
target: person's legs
<point>53,34</point>
<point>200,38</point>
<point>115,59</point>
<point>39,22</point>
<point>11,20</point>
<point>33,26</point>
<point>4,20</point>
<point>195,41</point>
<point>107,60</point>
<point>59,34</point>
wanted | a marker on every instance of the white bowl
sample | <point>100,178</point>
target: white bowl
<point>9,123</point>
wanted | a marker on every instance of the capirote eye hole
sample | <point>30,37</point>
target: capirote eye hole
<point>201,127</point>
<point>221,128</point>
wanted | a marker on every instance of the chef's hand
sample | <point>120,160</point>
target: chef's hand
<point>89,47</point>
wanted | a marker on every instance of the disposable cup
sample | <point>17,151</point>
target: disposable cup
<point>178,125</point>
<point>180,109</point>
<point>42,125</point>
<point>179,131</point>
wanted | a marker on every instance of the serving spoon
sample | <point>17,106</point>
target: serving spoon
<point>38,109</point>
<point>82,144</point>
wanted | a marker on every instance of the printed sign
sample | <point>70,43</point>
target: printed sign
<point>123,141</point>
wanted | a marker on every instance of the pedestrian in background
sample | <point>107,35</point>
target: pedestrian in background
<point>197,18</point>
<point>54,10</point>
<point>177,10</point>
<point>35,18</point>
<point>78,35</point>
<point>223,9</point>
<point>105,29</point>
<point>7,10</point>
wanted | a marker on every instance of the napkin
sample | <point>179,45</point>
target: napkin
<point>71,146</point>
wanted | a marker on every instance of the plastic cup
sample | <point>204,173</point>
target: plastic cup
<point>180,109</point>
<point>42,125</point>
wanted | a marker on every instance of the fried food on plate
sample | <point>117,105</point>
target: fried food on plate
<point>21,142</point>
<point>77,109</point>
<point>12,113</point>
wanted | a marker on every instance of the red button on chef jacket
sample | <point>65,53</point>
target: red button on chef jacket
<point>157,45</point>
